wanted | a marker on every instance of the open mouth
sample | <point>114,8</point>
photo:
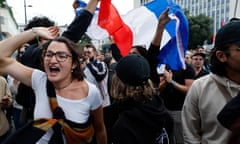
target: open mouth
<point>54,69</point>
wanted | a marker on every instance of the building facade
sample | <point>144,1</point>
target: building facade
<point>138,3</point>
<point>8,26</point>
<point>221,11</point>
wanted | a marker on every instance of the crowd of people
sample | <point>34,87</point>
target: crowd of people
<point>56,92</point>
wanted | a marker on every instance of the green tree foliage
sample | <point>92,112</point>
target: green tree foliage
<point>200,30</point>
<point>84,40</point>
<point>2,3</point>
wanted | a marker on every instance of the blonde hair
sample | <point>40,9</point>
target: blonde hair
<point>122,91</point>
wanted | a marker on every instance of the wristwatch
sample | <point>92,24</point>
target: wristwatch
<point>173,82</point>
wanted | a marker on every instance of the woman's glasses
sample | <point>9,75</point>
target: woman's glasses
<point>60,56</point>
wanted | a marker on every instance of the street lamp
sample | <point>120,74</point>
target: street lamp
<point>25,11</point>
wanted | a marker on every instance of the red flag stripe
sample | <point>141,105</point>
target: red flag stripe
<point>110,20</point>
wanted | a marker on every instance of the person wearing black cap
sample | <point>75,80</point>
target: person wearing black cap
<point>198,63</point>
<point>172,84</point>
<point>208,95</point>
<point>137,116</point>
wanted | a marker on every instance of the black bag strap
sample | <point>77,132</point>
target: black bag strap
<point>50,89</point>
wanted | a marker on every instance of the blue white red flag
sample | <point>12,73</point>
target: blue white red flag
<point>110,19</point>
<point>143,20</point>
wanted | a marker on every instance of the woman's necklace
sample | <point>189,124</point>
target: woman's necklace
<point>64,86</point>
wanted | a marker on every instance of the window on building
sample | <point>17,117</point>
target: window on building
<point>208,13</point>
<point>1,20</point>
<point>213,14</point>
<point>213,3</point>
<point>227,9</point>
<point>227,19</point>
<point>222,10</point>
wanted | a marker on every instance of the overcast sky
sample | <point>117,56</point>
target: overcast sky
<point>60,11</point>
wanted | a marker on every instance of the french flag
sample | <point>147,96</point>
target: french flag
<point>109,19</point>
<point>138,26</point>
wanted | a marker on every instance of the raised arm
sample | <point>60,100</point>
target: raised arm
<point>10,45</point>
<point>91,6</point>
<point>154,48</point>
<point>81,22</point>
<point>9,65</point>
<point>162,21</point>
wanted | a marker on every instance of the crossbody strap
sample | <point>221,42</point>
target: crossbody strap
<point>74,132</point>
<point>51,96</point>
<point>223,90</point>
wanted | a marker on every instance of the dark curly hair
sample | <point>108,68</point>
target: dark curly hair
<point>38,21</point>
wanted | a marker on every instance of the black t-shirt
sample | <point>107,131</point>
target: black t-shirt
<point>201,73</point>
<point>173,98</point>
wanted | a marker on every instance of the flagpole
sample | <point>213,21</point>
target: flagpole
<point>25,11</point>
<point>235,10</point>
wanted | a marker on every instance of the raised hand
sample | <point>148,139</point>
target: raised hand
<point>164,18</point>
<point>46,33</point>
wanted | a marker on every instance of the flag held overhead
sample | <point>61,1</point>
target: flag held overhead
<point>110,20</point>
<point>138,26</point>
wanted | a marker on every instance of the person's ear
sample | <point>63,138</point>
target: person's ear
<point>221,56</point>
<point>74,65</point>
